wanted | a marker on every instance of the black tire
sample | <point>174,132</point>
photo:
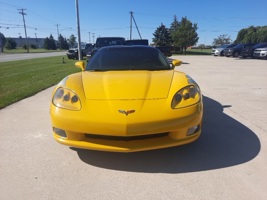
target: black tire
<point>236,54</point>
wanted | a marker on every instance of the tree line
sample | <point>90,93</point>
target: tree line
<point>252,34</point>
<point>49,43</point>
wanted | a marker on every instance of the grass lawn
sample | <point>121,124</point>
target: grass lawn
<point>24,78</point>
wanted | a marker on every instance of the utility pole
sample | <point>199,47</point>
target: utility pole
<point>36,40</point>
<point>132,17</point>
<point>23,13</point>
<point>78,30</point>
<point>58,37</point>
<point>131,13</point>
<point>93,38</point>
<point>89,37</point>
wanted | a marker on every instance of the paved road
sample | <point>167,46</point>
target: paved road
<point>24,56</point>
<point>227,162</point>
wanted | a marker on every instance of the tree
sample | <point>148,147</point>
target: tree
<point>53,45</point>
<point>10,44</point>
<point>173,29</point>
<point>2,42</point>
<point>262,34</point>
<point>222,39</point>
<point>72,40</point>
<point>252,34</point>
<point>162,36</point>
<point>63,44</point>
<point>49,43</point>
<point>240,36</point>
<point>174,25</point>
<point>186,35</point>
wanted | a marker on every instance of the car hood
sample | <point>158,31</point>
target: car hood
<point>122,85</point>
<point>220,48</point>
<point>261,49</point>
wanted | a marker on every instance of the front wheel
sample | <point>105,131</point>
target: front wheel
<point>236,54</point>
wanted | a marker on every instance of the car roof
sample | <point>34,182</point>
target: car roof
<point>128,46</point>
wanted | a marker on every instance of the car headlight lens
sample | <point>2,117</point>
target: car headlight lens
<point>187,96</point>
<point>67,99</point>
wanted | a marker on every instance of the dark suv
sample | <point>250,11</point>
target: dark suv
<point>236,50</point>
<point>137,42</point>
<point>107,41</point>
<point>248,51</point>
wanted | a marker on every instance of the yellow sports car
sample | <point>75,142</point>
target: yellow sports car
<point>127,99</point>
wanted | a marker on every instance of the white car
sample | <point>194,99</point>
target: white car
<point>219,51</point>
<point>260,53</point>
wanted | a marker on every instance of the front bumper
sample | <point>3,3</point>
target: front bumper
<point>72,56</point>
<point>261,54</point>
<point>121,133</point>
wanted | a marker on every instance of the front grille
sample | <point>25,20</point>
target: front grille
<point>126,138</point>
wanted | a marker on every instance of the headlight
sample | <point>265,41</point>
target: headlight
<point>65,98</point>
<point>187,96</point>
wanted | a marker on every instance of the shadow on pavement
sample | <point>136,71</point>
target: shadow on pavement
<point>224,143</point>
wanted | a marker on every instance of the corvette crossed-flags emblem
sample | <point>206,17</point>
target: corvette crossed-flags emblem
<point>126,112</point>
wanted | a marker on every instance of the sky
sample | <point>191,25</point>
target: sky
<point>110,18</point>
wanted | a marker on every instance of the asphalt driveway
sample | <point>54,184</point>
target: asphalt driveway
<point>227,162</point>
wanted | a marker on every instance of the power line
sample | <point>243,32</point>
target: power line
<point>9,5</point>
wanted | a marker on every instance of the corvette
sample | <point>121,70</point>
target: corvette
<point>127,99</point>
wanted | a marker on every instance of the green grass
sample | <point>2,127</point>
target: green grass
<point>21,79</point>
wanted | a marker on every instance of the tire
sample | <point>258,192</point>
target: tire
<point>236,54</point>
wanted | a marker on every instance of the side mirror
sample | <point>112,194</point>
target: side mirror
<point>81,65</point>
<point>176,62</point>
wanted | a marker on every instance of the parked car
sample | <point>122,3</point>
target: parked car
<point>236,50</point>
<point>107,41</point>
<point>248,51</point>
<point>219,51</point>
<point>72,54</point>
<point>89,48</point>
<point>260,53</point>
<point>127,99</point>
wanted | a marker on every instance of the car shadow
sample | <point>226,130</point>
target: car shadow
<point>224,142</point>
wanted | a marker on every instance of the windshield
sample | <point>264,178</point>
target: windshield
<point>223,46</point>
<point>239,46</point>
<point>260,45</point>
<point>128,58</point>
